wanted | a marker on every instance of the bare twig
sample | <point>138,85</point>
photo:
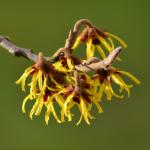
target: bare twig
<point>91,60</point>
<point>18,51</point>
<point>77,81</point>
<point>74,33</point>
<point>103,64</point>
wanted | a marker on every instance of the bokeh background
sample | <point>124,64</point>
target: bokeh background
<point>43,26</point>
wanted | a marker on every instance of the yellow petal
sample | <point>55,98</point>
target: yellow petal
<point>130,76</point>
<point>44,86</point>
<point>118,80</point>
<point>52,89</point>
<point>39,109</point>
<point>33,83</point>
<point>89,109</point>
<point>77,42</point>
<point>100,110</point>
<point>84,110</point>
<point>22,79</point>
<point>62,91</point>
<point>111,42</point>
<point>90,116</point>
<point>116,95</point>
<point>101,91</point>
<point>67,102</point>
<point>79,120</point>
<point>23,75</point>
<point>24,103</point>
<point>47,114</point>
<point>40,80</point>
<point>105,44</point>
<point>90,50</point>
<point>33,109</point>
<point>70,64</point>
<point>59,99</point>
<point>69,116</point>
<point>108,90</point>
<point>54,113</point>
<point>101,51</point>
<point>69,107</point>
<point>118,39</point>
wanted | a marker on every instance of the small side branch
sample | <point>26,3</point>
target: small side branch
<point>77,81</point>
<point>74,33</point>
<point>102,64</point>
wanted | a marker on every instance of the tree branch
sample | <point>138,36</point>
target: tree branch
<point>18,51</point>
<point>89,65</point>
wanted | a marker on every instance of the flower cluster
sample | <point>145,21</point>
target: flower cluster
<point>60,83</point>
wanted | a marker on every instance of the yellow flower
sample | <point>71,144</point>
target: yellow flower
<point>97,39</point>
<point>42,92</point>
<point>104,78</point>
<point>83,100</point>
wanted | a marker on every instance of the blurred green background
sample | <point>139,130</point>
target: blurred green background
<point>43,26</point>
